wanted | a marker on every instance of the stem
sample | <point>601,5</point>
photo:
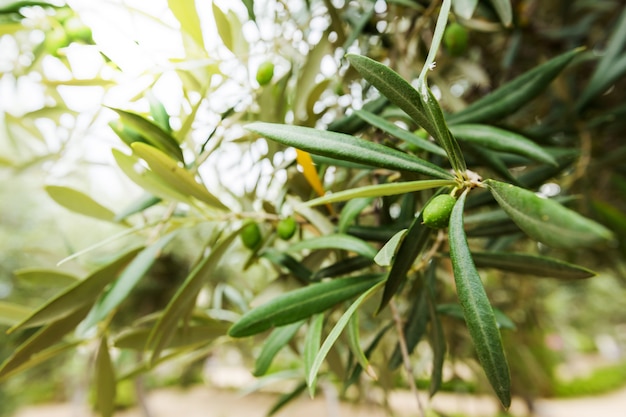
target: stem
<point>442,20</point>
<point>405,356</point>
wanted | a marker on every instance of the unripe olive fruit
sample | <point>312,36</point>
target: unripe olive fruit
<point>55,40</point>
<point>265,73</point>
<point>286,228</point>
<point>250,235</point>
<point>437,212</point>
<point>77,31</point>
<point>455,39</point>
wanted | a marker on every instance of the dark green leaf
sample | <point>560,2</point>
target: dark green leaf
<point>343,267</point>
<point>513,95</point>
<point>285,399</point>
<point>336,241</point>
<point>151,133</point>
<point>351,124</point>
<point>540,266</point>
<point>437,337</point>
<point>413,244</point>
<point>351,211</point>
<point>398,132</point>
<point>502,140</point>
<point>477,310</point>
<point>394,87</point>
<point>79,294</point>
<point>289,262</point>
<point>546,220</point>
<point>301,303</point>
<point>279,337</point>
<point>442,133</point>
<point>346,147</point>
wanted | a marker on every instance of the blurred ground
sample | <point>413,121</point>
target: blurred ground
<point>203,401</point>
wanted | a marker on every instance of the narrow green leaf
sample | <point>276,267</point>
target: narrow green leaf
<point>250,8</point>
<point>343,267</point>
<point>387,253</point>
<point>11,314</point>
<point>477,310</point>
<point>546,220</point>
<point>352,123</point>
<point>223,27</point>
<point>394,87</point>
<point>335,241</point>
<point>301,303</point>
<point>351,211</point>
<point>502,140</point>
<point>456,311</point>
<point>437,337</point>
<point>442,133</point>
<point>354,342</point>
<point>346,147</point>
<point>79,202</point>
<point>290,263</point>
<point>186,14</point>
<point>358,369</point>
<point>380,190</point>
<point>104,380</point>
<point>464,8</point>
<point>513,95</point>
<point>504,11</point>
<point>603,76</point>
<point>183,336</point>
<point>42,277</point>
<point>174,175</point>
<point>285,399</point>
<point>128,279</point>
<point>159,113</point>
<point>79,294</point>
<point>142,203</point>
<point>184,299</point>
<point>312,342</point>
<point>279,337</point>
<point>398,132</point>
<point>133,168</point>
<point>526,264</point>
<point>413,244</point>
<point>42,357</point>
<point>334,335</point>
<point>151,133</point>
<point>43,339</point>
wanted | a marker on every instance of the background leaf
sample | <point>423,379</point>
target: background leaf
<point>79,202</point>
<point>546,220</point>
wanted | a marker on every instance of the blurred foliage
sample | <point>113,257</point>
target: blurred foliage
<point>268,170</point>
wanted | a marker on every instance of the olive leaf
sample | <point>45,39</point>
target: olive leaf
<point>513,95</point>
<point>279,337</point>
<point>521,263</point>
<point>380,190</point>
<point>345,147</point>
<point>502,140</point>
<point>477,310</point>
<point>105,380</point>
<point>335,241</point>
<point>546,220</point>
<point>301,303</point>
<point>79,202</point>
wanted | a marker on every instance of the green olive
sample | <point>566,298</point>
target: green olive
<point>55,40</point>
<point>265,73</point>
<point>455,39</point>
<point>437,212</point>
<point>251,235</point>
<point>286,228</point>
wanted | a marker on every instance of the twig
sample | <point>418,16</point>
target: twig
<point>405,357</point>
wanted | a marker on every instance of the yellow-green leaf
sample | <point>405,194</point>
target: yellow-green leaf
<point>79,202</point>
<point>104,380</point>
